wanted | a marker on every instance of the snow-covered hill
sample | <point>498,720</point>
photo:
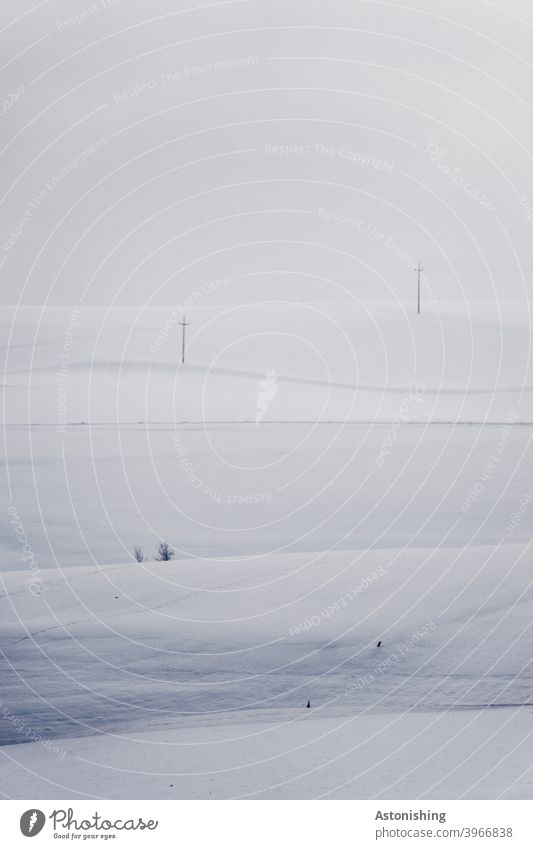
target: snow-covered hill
<point>197,675</point>
<point>330,476</point>
<point>343,362</point>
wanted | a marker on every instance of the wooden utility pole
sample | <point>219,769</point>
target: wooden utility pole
<point>419,271</point>
<point>183,324</point>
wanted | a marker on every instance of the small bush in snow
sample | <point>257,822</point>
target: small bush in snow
<point>164,551</point>
<point>138,553</point>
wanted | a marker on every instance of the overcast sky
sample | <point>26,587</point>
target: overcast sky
<point>313,149</point>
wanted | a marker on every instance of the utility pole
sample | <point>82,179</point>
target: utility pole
<point>419,271</point>
<point>183,324</point>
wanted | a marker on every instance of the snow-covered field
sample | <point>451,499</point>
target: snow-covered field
<point>332,362</point>
<point>191,678</point>
<point>329,476</point>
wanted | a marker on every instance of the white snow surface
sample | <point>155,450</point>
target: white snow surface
<point>191,679</point>
<point>329,476</point>
<point>333,362</point>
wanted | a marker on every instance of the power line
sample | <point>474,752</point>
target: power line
<point>183,324</point>
<point>419,271</point>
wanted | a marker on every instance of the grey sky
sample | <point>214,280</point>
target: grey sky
<point>315,150</point>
